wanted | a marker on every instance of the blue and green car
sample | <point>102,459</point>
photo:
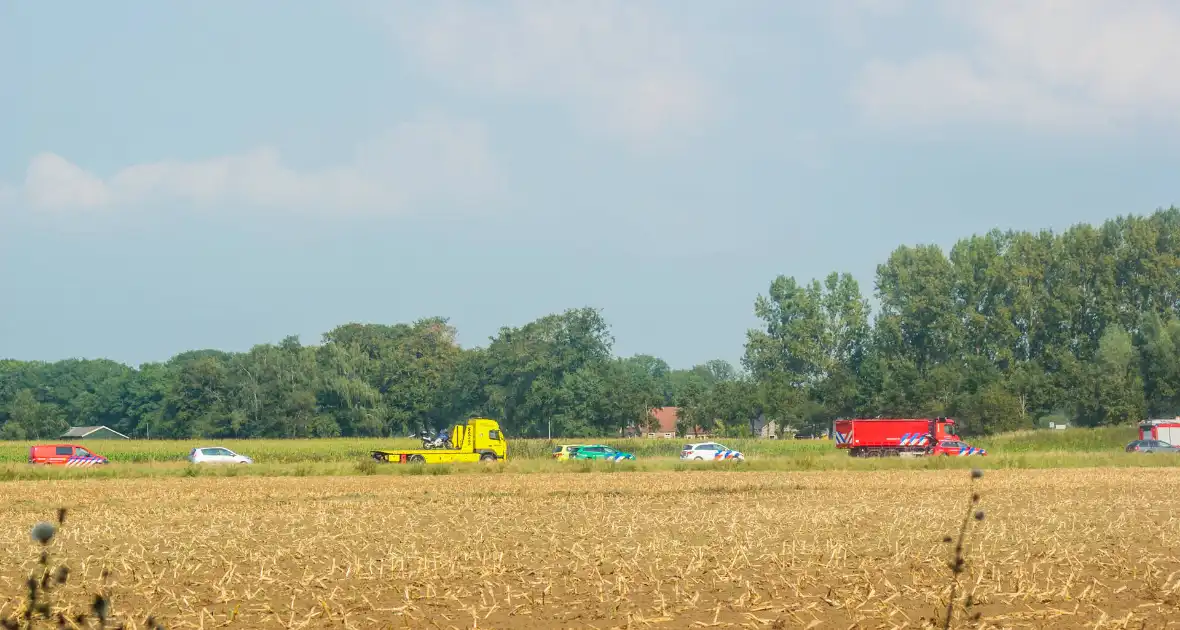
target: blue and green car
<point>600,451</point>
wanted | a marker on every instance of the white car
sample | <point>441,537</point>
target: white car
<point>217,455</point>
<point>710,451</point>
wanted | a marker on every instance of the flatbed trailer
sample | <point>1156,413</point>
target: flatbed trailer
<point>480,440</point>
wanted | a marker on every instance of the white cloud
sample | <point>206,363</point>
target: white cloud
<point>1060,64</point>
<point>615,64</point>
<point>428,160</point>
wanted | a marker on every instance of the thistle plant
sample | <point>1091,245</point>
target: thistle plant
<point>43,582</point>
<point>959,562</point>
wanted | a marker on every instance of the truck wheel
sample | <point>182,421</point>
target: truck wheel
<point>416,459</point>
<point>487,457</point>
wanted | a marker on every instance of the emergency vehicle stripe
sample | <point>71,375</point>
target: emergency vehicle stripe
<point>914,439</point>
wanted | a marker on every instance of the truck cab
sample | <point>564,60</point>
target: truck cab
<point>1167,430</point>
<point>944,429</point>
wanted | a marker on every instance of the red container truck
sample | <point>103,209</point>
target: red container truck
<point>884,437</point>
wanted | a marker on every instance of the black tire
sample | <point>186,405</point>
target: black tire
<point>487,457</point>
<point>416,459</point>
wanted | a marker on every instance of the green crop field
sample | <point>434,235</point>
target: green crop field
<point>1071,448</point>
<point>351,449</point>
<point>340,450</point>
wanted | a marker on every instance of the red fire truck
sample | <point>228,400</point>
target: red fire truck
<point>1163,430</point>
<point>884,437</point>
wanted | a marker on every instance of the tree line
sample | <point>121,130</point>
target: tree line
<point>1007,330</point>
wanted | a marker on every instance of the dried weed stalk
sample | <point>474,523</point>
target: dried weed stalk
<point>44,581</point>
<point>959,563</point>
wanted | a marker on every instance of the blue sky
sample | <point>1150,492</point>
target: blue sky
<point>219,174</point>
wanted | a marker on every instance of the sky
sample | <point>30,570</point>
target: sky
<point>219,174</point>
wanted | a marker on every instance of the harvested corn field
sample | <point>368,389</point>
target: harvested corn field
<point>1057,549</point>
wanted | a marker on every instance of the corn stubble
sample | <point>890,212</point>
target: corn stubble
<point>1058,549</point>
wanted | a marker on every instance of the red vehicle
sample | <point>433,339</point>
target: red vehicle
<point>1163,430</point>
<point>885,437</point>
<point>64,455</point>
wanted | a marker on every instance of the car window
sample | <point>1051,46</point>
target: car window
<point>63,450</point>
<point>210,452</point>
<point>494,435</point>
<point>81,452</point>
<point>1163,444</point>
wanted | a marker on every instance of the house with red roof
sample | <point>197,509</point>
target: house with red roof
<point>663,426</point>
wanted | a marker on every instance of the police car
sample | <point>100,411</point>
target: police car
<point>711,451</point>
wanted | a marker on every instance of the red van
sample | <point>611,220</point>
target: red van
<point>64,455</point>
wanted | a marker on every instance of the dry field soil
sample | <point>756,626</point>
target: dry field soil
<point>710,549</point>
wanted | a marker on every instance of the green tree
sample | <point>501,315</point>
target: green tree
<point>33,418</point>
<point>527,367</point>
<point>916,289</point>
<point>1112,392</point>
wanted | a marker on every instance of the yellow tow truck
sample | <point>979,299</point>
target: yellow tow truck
<point>480,440</point>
